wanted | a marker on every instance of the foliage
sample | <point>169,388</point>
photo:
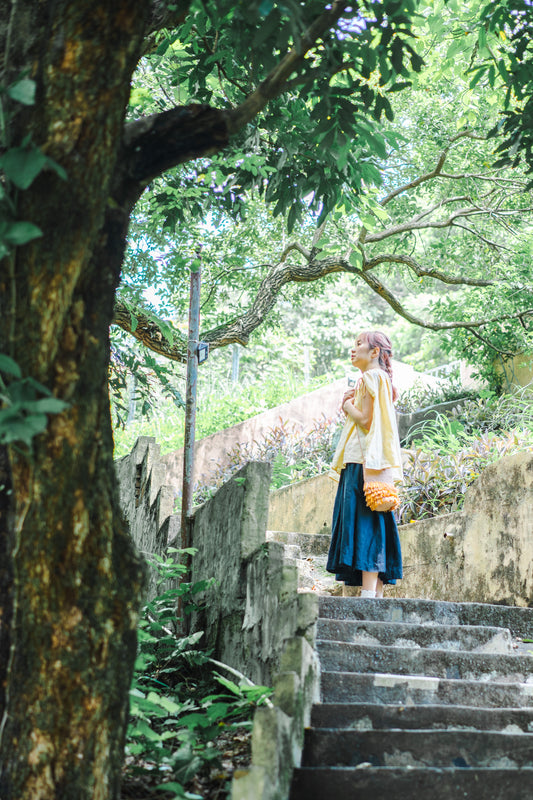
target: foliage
<point>512,66</point>
<point>25,404</point>
<point>220,405</point>
<point>330,111</point>
<point>178,703</point>
<point>421,396</point>
<point>446,109</point>
<point>435,483</point>
<point>19,167</point>
<point>451,451</point>
<point>137,374</point>
<point>492,412</point>
<point>295,454</point>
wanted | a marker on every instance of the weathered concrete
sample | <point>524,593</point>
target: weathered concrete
<point>305,506</point>
<point>350,687</point>
<point>483,553</point>
<point>372,716</point>
<point>308,544</point>
<point>518,620</point>
<point>146,500</point>
<point>458,665</point>
<point>415,721</point>
<point>400,748</point>
<point>409,424</point>
<point>409,782</point>
<point>404,634</point>
<point>252,614</point>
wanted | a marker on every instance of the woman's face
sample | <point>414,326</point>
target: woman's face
<point>360,353</point>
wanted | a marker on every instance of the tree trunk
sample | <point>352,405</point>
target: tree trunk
<point>70,579</point>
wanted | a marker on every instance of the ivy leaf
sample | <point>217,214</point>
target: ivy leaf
<point>19,233</point>
<point>22,165</point>
<point>47,405</point>
<point>22,429</point>
<point>8,365</point>
<point>23,91</point>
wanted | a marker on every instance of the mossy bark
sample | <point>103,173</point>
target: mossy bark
<point>70,579</point>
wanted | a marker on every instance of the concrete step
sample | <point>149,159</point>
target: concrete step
<point>406,783</point>
<point>457,665</point>
<point>370,716</point>
<point>407,634</point>
<point>439,612</point>
<point>310,544</point>
<point>354,687</point>
<point>418,748</point>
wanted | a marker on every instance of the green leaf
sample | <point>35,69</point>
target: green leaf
<point>356,259</point>
<point>180,793</point>
<point>8,365</point>
<point>57,168</point>
<point>19,233</point>
<point>23,429</point>
<point>165,702</point>
<point>47,405</point>
<point>228,684</point>
<point>22,165</point>
<point>23,91</point>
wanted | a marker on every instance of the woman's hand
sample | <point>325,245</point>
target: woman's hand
<point>362,416</point>
<point>348,395</point>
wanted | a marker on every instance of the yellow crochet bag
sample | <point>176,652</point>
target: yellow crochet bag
<point>380,491</point>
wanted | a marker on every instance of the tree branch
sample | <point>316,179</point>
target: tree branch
<point>238,331</point>
<point>394,258</point>
<point>143,328</point>
<point>276,82</point>
<point>434,172</point>
<point>158,142</point>
<point>395,304</point>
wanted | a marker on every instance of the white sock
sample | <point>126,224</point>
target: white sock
<point>367,593</point>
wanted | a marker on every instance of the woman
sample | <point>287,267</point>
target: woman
<point>365,546</point>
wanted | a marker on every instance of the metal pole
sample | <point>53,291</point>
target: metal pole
<point>190,398</point>
<point>235,364</point>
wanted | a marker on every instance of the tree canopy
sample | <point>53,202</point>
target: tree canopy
<point>412,203</point>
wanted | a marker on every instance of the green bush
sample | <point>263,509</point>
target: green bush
<point>178,702</point>
<point>294,455</point>
<point>218,409</point>
<point>420,396</point>
<point>447,459</point>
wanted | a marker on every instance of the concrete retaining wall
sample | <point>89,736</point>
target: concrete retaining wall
<point>483,553</point>
<point>253,616</point>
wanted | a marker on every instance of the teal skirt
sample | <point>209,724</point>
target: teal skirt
<point>362,540</point>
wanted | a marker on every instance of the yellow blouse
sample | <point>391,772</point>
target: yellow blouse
<point>380,445</point>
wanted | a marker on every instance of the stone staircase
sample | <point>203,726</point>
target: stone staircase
<point>420,699</point>
<point>309,552</point>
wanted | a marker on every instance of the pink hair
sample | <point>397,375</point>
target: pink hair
<point>381,340</point>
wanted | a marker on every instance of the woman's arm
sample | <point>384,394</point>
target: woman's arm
<point>364,416</point>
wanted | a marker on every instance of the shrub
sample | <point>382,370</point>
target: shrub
<point>447,460</point>
<point>420,396</point>
<point>178,703</point>
<point>293,453</point>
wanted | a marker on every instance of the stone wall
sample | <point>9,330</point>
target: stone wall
<point>483,553</point>
<point>304,507</point>
<point>253,616</point>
